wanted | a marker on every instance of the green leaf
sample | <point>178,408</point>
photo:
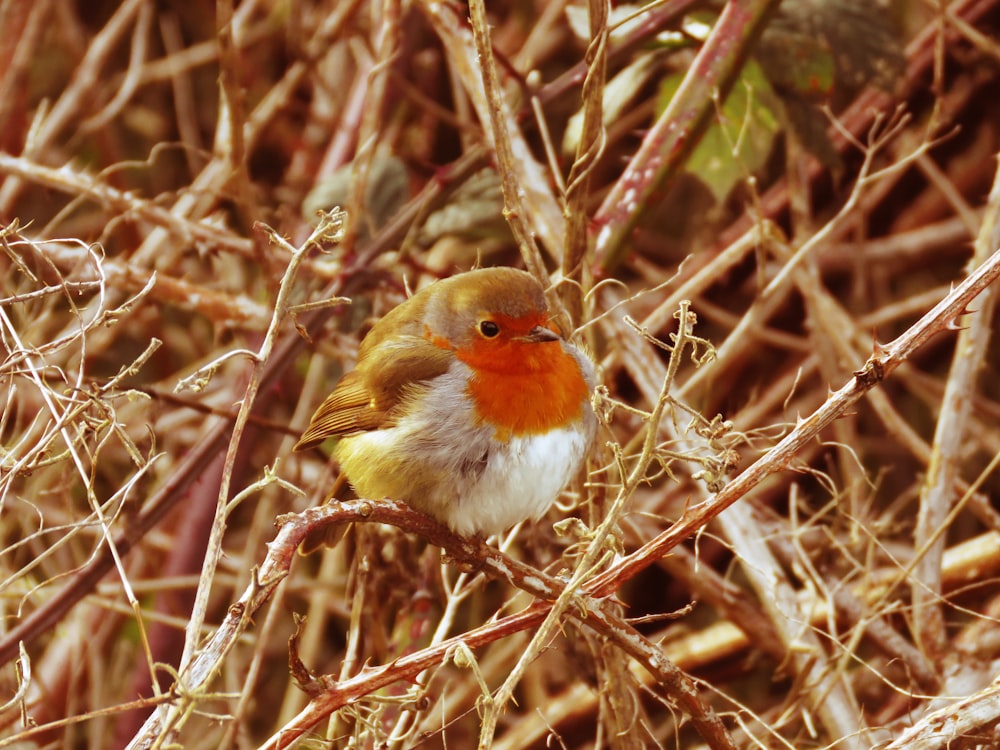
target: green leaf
<point>739,142</point>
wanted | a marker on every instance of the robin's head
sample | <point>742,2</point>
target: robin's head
<point>493,319</point>
<point>524,379</point>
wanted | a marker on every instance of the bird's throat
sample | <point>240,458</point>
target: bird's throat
<point>547,396</point>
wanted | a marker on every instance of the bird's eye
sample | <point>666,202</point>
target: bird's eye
<point>489,329</point>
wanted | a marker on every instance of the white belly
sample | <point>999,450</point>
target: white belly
<point>521,480</point>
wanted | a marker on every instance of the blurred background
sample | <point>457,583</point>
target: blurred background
<point>812,176</point>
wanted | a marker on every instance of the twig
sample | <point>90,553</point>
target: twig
<point>882,362</point>
<point>960,721</point>
<point>327,228</point>
<point>333,694</point>
<point>939,491</point>
<point>530,207</point>
<point>681,125</point>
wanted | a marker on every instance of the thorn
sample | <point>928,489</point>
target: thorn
<point>871,374</point>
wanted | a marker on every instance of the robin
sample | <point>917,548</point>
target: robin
<point>466,403</point>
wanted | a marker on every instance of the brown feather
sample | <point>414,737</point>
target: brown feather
<point>366,398</point>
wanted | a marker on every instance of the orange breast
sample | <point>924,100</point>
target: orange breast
<point>525,388</point>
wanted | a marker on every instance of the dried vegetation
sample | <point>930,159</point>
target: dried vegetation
<point>777,229</point>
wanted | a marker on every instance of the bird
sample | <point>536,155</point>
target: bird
<point>466,403</point>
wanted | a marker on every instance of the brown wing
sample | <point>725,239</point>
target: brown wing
<point>366,398</point>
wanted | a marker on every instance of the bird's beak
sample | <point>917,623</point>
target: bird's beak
<point>541,334</point>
